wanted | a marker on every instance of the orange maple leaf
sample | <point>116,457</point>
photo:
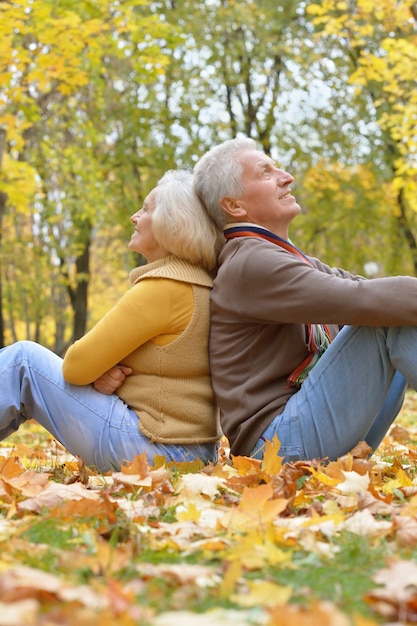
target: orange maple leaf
<point>257,506</point>
<point>139,466</point>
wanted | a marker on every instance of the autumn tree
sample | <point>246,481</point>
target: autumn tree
<point>62,67</point>
<point>260,70</point>
<point>376,47</point>
<point>97,100</point>
<point>229,72</point>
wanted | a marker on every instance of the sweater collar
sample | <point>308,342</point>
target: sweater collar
<point>172,267</point>
<point>141,270</point>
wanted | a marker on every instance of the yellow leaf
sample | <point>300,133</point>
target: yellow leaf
<point>255,551</point>
<point>402,480</point>
<point>324,478</point>
<point>325,521</point>
<point>189,514</point>
<point>263,593</point>
<point>232,575</point>
<point>272,463</point>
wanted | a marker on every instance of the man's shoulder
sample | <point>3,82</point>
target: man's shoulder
<point>253,250</point>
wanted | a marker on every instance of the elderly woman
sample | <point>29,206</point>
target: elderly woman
<point>138,381</point>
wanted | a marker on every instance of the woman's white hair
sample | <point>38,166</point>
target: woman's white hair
<point>181,224</point>
<point>218,174</point>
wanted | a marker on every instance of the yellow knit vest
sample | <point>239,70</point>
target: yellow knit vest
<point>174,389</point>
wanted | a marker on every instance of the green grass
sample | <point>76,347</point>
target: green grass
<point>343,578</point>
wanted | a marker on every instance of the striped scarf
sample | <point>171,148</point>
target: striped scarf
<point>318,335</point>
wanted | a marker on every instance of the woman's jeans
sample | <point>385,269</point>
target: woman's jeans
<point>99,428</point>
<point>353,393</point>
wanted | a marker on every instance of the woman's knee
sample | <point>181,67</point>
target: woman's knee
<point>29,353</point>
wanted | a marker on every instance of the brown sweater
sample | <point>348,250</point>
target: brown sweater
<point>261,300</point>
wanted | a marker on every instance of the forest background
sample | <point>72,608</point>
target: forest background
<point>98,98</point>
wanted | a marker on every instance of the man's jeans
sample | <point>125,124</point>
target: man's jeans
<point>353,393</point>
<point>99,428</point>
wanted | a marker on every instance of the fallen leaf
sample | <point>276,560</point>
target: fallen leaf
<point>190,513</point>
<point>54,494</point>
<point>256,507</point>
<point>319,614</point>
<point>25,582</point>
<point>353,483</point>
<point>405,529</point>
<point>191,485</point>
<point>216,617</point>
<point>233,573</point>
<point>18,613</point>
<point>365,524</point>
<point>263,593</point>
<point>139,465</point>
<point>272,462</point>
<point>396,599</point>
<point>246,465</point>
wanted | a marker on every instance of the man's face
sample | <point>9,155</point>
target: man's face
<point>267,198</point>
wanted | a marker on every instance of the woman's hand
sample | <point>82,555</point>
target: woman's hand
<point>112,379</point>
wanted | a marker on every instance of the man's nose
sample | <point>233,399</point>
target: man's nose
<point>284,178</point>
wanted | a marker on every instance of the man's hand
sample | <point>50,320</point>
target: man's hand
<point>112,379</point>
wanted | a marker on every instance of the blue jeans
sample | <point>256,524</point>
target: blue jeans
<point>353,393</point>
<point>99,428</point>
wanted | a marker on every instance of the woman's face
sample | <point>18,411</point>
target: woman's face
<point>143,240</point>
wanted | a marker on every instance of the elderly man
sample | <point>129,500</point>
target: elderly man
<point>313,354</point>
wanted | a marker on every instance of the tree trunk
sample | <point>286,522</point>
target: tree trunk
<point>406,230</point>
<point>79,294</point>
<point>3,202</point>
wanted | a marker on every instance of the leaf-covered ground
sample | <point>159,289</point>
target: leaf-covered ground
<point>304,544</point>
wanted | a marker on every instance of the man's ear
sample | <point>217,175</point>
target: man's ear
<point>232,207</point>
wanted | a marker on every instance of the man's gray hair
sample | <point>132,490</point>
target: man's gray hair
<point>218,174</point>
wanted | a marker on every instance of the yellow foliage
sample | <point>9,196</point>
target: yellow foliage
<point>18,181</point>
<point>384,34</point>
